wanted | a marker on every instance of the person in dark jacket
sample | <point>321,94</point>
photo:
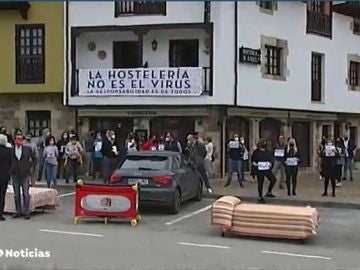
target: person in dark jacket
<point>350,147</point>
<point>22,161</point>
<point>5,170</point>
<point>110,151</point>
<point>340,161</point>
<point>236,152</point>
<point>330,156</point>
<point>292,160</point>
<point>171,144</point>
<point>197,154</point>
<point>263,161</point>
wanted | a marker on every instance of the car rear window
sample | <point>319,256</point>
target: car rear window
<point>146,163</point>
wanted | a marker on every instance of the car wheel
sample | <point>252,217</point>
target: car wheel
<point>176,204</point>
<point>199,192</point>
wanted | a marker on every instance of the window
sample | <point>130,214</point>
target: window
<point>175,164</point>
<point>316,77</point>
<point>356,26</point>
<point>319,18</point>
<point>37,121</point>
<point>140,8</point>
<point>266,4</point>
<point>184,53</point>
<point>146,163</point>
<point>30,53</point>
<point>354,73</point>
<point>273,60</point>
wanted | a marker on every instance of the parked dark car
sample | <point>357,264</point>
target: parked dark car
<point>164,178</point>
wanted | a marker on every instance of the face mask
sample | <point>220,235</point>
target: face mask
<point>346,137</point>
<point>65,137</point>
<point>167,139</point>
<point>292,145</point>
<point>242,141</point>
<point>99,137</point>
<point>236,138</point>
<point>112,136</point>
<point>28,139</point>
<point>188,142</point>
<point>329,143</point>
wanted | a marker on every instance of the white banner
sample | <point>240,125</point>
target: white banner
<point>182,81</point>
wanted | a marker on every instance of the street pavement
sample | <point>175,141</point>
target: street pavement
<point>309,190</point>
<point>183,241</point>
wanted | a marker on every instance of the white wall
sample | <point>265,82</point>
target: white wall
<point>222,15</point>
<point>103,13</point>
<point>159,58</point>
<point>289,23</point>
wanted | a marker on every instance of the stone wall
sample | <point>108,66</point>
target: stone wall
<point>13,111</point>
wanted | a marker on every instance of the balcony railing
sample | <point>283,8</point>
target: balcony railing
<point>318,23</point>
<point>81,83</point>
<point>140,8</point>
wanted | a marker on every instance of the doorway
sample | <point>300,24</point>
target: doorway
<point>121,126</point>
<point>179,126</point>
<point>126,54</point>
<point>270,130</point>
<point>301,133</point>
<point>184,53</point>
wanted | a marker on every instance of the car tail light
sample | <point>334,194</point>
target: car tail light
<point>115,178</point>
<point>163,179</point>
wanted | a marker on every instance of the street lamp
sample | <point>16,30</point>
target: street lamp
<point>154,45</point>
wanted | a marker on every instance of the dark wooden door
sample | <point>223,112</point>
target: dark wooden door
<point>270,130</point>
<point>184,53</point>
<point>126,54</point>
<point>301,133</point>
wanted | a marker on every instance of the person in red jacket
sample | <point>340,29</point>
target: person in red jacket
<point>150,145</point>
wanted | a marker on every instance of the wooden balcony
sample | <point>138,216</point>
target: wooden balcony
<point>21,6</point>
<point>347,8</point>
<point>319,24</point>
<point>140,8</point>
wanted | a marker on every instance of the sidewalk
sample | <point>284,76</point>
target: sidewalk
<point>309,192</point>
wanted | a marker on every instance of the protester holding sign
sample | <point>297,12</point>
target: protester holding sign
<point>262,160</point>
<point>330,155</point>
<point>236,153</point>
<point>279,154</point>
<point>292,160</point>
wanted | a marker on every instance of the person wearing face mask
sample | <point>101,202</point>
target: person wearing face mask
<point>161,144</point>
<point>28,142</point>
<point>209,159</point>
<point>73,153</point>
<point>245,158</point>
<point>330,156</point>
<point>10,141</point>
<point>340,161</point>
<point>171,144</point>
<point>279,154</point>
<point>98,155</point>
<point>111,153</point>
<point>22,161</point>
<point>51,154</point>
<point>236,152</point>
<point>61,145</point>
<point>263,160</point>
<point>320,159</point>
<point>350,147</point>
<point>197,153</point>
<point>151,144</point>
<point>130,143</point>
<point>41,145</point>
<point>87,144</point>
<point>292,160</point>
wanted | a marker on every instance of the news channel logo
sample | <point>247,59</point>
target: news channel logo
<point>25,253</point>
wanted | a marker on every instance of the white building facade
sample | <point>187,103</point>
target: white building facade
<point>254,68</point>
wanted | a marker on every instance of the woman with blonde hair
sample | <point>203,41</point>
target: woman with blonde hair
<point>292,160</point>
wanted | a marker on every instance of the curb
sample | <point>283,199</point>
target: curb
<point>280,201</point>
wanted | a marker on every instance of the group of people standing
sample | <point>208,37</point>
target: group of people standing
<point>336,158</point>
